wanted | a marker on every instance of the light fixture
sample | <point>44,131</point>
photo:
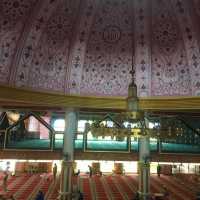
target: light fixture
<point>132,99</point>
<point>166,128</point>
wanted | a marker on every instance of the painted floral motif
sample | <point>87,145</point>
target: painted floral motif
<point>109,53</point>
<point>142,53</point>
<point>169,61</point>
<point>44,61</point>
<point>165,34</point>
<point>79,45</point>
<point>12,22</point>
<point>59,27</point>
<point>88,47</point>
<point>15,9</point>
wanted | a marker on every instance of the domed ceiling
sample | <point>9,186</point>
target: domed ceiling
<point>87,47</point>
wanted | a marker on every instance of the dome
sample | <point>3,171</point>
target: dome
<point>87,47</point>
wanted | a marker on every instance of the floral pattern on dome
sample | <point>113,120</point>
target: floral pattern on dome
<point>172,77</point>
<point>170,71</point>
<point>191,42</point>
<point>142,55</point>
<point>87,47</point>
<point>166,34</point>
<point>108,59</point>
<point>12,23</point>
<point>79,46</point>
<point>45,55</point>
<point>59,27</point>
<point>15,9</point>
<point>5,25</point>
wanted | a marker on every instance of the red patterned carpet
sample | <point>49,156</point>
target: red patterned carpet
<point>107,187</point>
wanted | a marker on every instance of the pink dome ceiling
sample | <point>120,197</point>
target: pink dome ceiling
<point>86,47</point>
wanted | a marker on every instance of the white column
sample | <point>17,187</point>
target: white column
<point>70,129</point>
<point>144,166</point>
<point>68,155</point>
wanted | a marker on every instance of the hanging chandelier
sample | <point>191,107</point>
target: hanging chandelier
<point>136,121</point>
<point>132,99</point>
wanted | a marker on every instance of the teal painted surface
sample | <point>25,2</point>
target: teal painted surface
<point>92,145</point>
<point>105,145</point>
<point>30,144</point>
<point>153,146</point>
<point>78,144</point>
<point>179,148</point>
<point>58,144</point>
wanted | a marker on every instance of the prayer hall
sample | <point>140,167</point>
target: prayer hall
<point>99,99</point>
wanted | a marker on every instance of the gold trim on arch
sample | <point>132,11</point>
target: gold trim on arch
<point>11,96</point>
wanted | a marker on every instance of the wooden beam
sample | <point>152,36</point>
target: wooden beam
<point>80,155</point>
<point>27,98</point>
<point>35,98</point>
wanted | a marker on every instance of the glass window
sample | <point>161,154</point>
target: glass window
<point>59,125</point>
<point>81,125</point>
<point>79,137</point>
<point>59,136</point>
<point>33,124</point>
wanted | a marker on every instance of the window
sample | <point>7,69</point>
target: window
<point>59,125</point>
<point>81,125</point>
<point>33,124</point>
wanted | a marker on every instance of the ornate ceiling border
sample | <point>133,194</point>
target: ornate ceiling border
<point>30,98</point>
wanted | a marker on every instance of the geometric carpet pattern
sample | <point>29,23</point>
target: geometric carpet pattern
<point>106,187</point>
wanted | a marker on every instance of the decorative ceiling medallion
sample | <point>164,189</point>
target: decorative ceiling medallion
<point>111,34</point>
<point>59,28</point>
<point>14,10</point>
<point>166,34</point>
<point>170,74</point>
